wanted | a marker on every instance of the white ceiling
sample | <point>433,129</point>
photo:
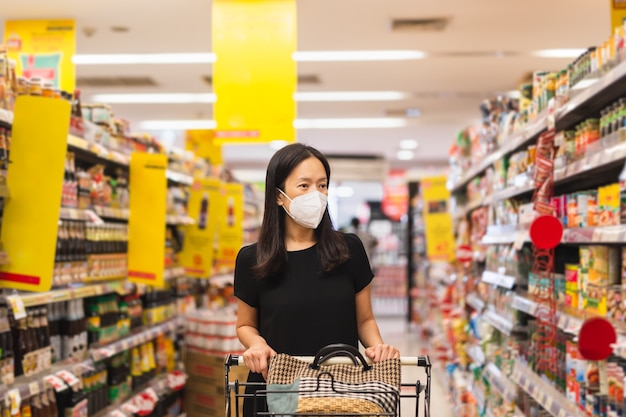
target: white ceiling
<point>447,89</point>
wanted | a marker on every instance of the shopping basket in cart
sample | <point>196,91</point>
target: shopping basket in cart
<point>325,386</point>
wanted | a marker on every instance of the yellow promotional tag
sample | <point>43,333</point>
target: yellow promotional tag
<point>230,228</point>
<point>146,225</point>
<point>43,49</point>
<point>204,207</point>
<point>35,180</point>
<point>201,143</point>
<point>254,76</point>
<point>437,219</point>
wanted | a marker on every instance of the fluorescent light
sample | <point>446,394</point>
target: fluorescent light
<point>344,191</point>
<point>278,144</point>
<point>349,123</point>
<point>405,155</point>
<point>208,57</point>
<point>121,59</point>
<point>178,124</point>
<point>581,85</point>
<point>408,144</point>
<point>559,53</point>
<point>156,98</point>
<point>298,124</point>
<point>350,96</point>
<point>342,56</point>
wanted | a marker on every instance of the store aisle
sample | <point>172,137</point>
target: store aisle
<point>395,331</point>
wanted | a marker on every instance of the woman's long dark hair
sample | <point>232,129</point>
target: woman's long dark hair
<point>271,252</point>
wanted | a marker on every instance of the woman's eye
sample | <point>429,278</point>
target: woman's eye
<point>303,185</point>
<point>323,186</point>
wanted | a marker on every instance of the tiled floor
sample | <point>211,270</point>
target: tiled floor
<point>397,332</point>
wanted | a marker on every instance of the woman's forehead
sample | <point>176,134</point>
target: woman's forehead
<point>310,169</point>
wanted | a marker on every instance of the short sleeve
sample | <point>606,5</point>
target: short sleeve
<point>358,263</point>
<point>245,282</point>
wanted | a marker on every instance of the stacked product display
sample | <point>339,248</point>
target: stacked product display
<point>493,306</point>
<point>98,343</point>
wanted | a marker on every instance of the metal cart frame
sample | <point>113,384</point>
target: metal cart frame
<point>236,389</point>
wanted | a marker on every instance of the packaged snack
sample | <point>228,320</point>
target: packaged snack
<point>571,285</point>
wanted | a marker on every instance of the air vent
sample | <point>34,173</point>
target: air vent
<point>408,112</point>
<point>115,82</point>
<point>358,168</point>
<point>303,79</point>
<point>436,24</point>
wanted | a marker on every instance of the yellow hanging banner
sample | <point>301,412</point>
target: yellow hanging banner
<point>199,243</point>
<point>146,225</point>
<point>43,49</point>
<point>35,180</point>
<point>230,227</point>
<point>201,143</point>
<point>254,76</point>
<point>618,13</point>
<point>437,219</point>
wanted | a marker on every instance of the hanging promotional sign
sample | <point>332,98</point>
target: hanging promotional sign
<point>254,75</point>
<point>230,228</point>
<point>146,224</point>
<point>395,202</point>
<point>199,244</point>
<point>618,13</point>
<point>35,180</point>
<point>201,143</point>
<point>43,49</point>
<point>437,219</point>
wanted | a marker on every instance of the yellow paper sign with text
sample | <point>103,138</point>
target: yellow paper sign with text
<point>618,13</point>
<point>199,244</point>
<point>254,76</point>
<point>230,228</point>
<point>146,225</point>
<point>43,49</point>
<point>437,219</point>
<point>201,143</point>
<point>35,180</point>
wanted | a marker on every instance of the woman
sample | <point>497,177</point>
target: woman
<point>303,285</point>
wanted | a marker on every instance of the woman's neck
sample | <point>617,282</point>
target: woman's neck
<point>298,237</point>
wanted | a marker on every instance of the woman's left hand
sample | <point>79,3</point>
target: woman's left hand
<point>381,351</point>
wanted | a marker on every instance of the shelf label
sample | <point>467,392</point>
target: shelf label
<point>35,178</point>
<point>17,306</point>
<point>200,237</point>
<point>230,226</point>
<point>146,239</point>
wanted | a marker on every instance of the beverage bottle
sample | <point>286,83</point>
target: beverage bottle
<point>45,404</point>
<point>52,400</point>
<point>36,406</point>
<point>231,212</point>
<point>203,217</point>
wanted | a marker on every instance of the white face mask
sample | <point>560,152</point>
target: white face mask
<point>307,209</point>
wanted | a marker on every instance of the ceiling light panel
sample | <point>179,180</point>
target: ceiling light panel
<point>350,96</point>
<point>559,53</point>
<point>346,56</point>
<point>173,98</point>
<point>177,124</point>
<point>363,123</point>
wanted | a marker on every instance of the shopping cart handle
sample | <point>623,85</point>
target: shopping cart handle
<point>421,361</point>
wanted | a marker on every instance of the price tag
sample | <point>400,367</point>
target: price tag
<point>17,305</point>
<point>145,402</point>
<point>520,239</point>
<point>13,401</point>
<point>118,413</point>
<point>176,380</point>
<point>69,378</point>
<point>33,388</point>
<point>55,382</point>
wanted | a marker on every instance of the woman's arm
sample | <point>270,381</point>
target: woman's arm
<point>369,334</point>
<point>257,351</point>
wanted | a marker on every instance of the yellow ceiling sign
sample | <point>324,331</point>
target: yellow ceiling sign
<point>254,76</point>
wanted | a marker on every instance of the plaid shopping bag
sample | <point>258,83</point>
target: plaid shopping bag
<point>298,387</point>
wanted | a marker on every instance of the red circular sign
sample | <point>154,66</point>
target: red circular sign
<point>546,232</point>
<point>595,339</point>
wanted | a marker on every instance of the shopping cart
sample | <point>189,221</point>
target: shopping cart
<point>236,390</point>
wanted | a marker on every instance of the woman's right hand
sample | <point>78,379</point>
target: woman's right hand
<point>257,358</point>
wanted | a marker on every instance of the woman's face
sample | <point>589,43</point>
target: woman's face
<point>308,176</point>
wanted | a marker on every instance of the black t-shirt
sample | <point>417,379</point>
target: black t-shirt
<point>304,309</point>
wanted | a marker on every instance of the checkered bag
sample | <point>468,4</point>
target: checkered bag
<point>298,387</point>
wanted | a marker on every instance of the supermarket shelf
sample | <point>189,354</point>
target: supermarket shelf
<point>179,177</point>
<point>474,301</point>
<point>179,220</point>
<point>512,192</point>
<point>176,272</point>
<point>501,383</point>
<point>65,294</point>
<point>514,236</point>
<point>222,280</point>
<point>545,394</point>
<point>502,324</point>
<point>475,353</point>
<point>593,98</point>
<point>134,340</point>
<point>484,201</point>
<point>601,234</point>
<point>112,213</point>
<point>611,153</point>
<point>511,144</point>
<point>499,279</point>
<point>94,154</point>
